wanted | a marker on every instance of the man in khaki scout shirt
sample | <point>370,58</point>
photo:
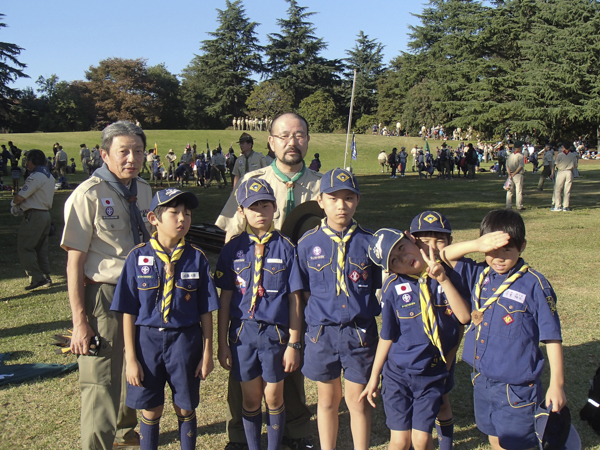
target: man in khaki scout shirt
<point>105,217</point>
<point>35,201</point>
<point>293,183</point>
<point>566,161</point>
<point>249,159</point>
<point>515,164</point>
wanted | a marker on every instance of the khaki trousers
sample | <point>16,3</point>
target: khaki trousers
<point>32,244</point>
<point>517,188</point>
<point>564,181</point>
<point>105,418</point>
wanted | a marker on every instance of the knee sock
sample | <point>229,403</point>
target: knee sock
<point>275,427</point>
<point>187,431</point>
<point>445,431</point>
<point>149,433</point>
<point>252,421</point>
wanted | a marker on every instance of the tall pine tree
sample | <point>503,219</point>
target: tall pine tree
<point>11,69</point>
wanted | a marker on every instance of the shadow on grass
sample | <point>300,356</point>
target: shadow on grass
<point>56,287</point>
<point>34,328</point>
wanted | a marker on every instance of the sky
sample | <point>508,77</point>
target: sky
<point>66,37</point>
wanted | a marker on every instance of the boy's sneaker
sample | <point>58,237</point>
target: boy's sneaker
<point>48,282</point>
<point>37,284</point>
<point>556,209</point>
<point>298,444</point>
<point>566,209</point>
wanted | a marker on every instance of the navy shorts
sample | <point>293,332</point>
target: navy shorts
<point>507,411</point>
<point>450,379</point>
<point>411,402</point>
<point>331,349</point>
<point>257,350</point>
<point>167,356</point>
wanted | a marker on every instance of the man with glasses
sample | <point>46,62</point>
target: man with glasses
<point>249,160</point>
<point>293,183</point>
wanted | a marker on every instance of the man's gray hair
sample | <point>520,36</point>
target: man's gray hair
<point>121,128</point>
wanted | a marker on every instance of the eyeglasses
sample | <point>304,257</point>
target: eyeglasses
<point>287,137</point>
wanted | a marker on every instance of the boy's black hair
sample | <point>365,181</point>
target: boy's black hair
<point>159,210</point>
<point>507,220</point>
<point>433,234</point>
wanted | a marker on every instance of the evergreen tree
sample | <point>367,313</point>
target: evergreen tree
<point>320,112</point>
<point>366,58</point>
<point>217,83</point>
<point>269,100</point>
<point>293,56</point>
<point>11,69</point>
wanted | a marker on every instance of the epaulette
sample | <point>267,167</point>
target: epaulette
<point>195,247</point>
<point>309,232</point>
<point>366,230</point>
<point>285,237</point>
<point>389,281</point>
<point>140,245</point>
<point>139,178</point>
<point>89,183</point>
<point>544,284</point>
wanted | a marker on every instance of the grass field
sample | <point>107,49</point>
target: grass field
<point>563,246</point>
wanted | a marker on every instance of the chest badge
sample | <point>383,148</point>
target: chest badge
<point>406,298</point>
<point>145,270</point>
<point>188,297</point>
<point>109,210</point>
<point>239,254</point>
<point>365,275</point>
<point>354,276</point>
<point>317,251</point>
<point>508,319</point>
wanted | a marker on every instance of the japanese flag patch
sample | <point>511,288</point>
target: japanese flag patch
<point>145,260</point>
<point>403,288</point>
<point>107,202</point>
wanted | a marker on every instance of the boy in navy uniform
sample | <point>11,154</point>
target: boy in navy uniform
<point>167,296</point>
<point>260,316</point>
<point>339,287</point>
<point>513,309</point>
<point>432,229</point>
<point>414,339</point>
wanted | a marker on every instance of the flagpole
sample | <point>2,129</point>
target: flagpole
<point>350,118</point>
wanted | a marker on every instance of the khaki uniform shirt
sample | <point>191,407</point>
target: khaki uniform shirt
<point>548,157</point>
<point>305,189</point>
<point>97,223</point>
<point>85,155</point>
<point>514,161</point>
<point>566,162</point>
<point>38,192</point>
<point>171,157</point>
<point>256,161</point>
<point>218,160</point>
<point>62,156</point>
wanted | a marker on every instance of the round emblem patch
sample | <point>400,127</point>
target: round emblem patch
<point>317,251</point>
<point>406,298</point>
<point>239,254</point>
<point>110,211</point>
<point>145,270</point>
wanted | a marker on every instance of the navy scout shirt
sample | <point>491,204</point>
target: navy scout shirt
<point>139,291</point>
<point>317,254</point>
<point>505,347</point>
<point>235,270</point>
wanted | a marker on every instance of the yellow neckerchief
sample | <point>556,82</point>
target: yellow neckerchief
<point>259,252</point>
<point>477,315</point>
<point>341,253</point>
<point>169,262</point>
<point>429,321</point>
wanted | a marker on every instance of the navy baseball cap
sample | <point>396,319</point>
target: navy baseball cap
<point>253,190</point>
<point>430,221</point>
<point>166,195</point>
<point>338,179</point>
<point>555,430</point>
<point>381,245</point>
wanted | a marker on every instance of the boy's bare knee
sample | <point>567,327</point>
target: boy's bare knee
<point>153,413</point>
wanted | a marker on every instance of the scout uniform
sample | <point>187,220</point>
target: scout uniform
<point>32,246</point>
<point>97,222</point>
<point>548,162</point>
<point>171,158</point>
<point>245,164</point>
<point>565,164</point>
<point>85,156</point>
<point>512,313</point>
<point>304,188</point>
<point>513,163</point>
<point>341,333</point>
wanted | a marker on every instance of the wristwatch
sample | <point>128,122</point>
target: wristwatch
<point>295,345</point>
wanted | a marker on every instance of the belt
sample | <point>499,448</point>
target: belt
<point>88,281</point>
<point>35,209</point>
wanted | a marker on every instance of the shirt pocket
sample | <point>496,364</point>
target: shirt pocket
<point>410,321</point>
<point>273,275</point>
<point>508,318</point>
<point>359,274</point>
<point>321,275</point>
<point>243,275</point>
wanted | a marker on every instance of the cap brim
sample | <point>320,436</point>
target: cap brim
<point>340,188</point>
<point>302,218</point>
<point>573,441</point>
<point>248,202</point>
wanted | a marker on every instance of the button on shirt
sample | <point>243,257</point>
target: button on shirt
<point>253,161</point>
<point>402,323</point>
<point>38,192</point>
<point>506,348</point>
<point>280,277</point>
<point>140,288</point>
<point>317,254</point>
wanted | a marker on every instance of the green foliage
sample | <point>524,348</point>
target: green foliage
<point>11,69</point>
<point>217,83</point>
<point>320,111</point>
<point>167,95</point>
<point>293,57</point>
<point>268,99</point>
<point>364,125</point>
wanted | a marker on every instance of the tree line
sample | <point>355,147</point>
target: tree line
<point>525,66</point>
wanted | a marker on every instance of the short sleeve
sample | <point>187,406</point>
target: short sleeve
<point>295,280</point>
<point>208,288</point>
<point>547,313</point>
<point>125,299</point>
<point>80,214</point>
<point>303,267</point>
<point>31,185</point>
<point>389,324</point>
<point>224,276</point>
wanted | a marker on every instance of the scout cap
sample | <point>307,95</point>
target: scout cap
<point>381,245</point>
<point>430,221</point>
<point>170,150</point>
<point>253,190</point>
<point>518,144</point>
<point>166,195</point>
<point>245,137</point>
<point>554,430</point>
<point>338,179</point>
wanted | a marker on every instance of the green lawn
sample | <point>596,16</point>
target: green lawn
<point>563,246</point>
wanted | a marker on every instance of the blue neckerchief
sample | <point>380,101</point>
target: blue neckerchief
<point>42,169</point>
